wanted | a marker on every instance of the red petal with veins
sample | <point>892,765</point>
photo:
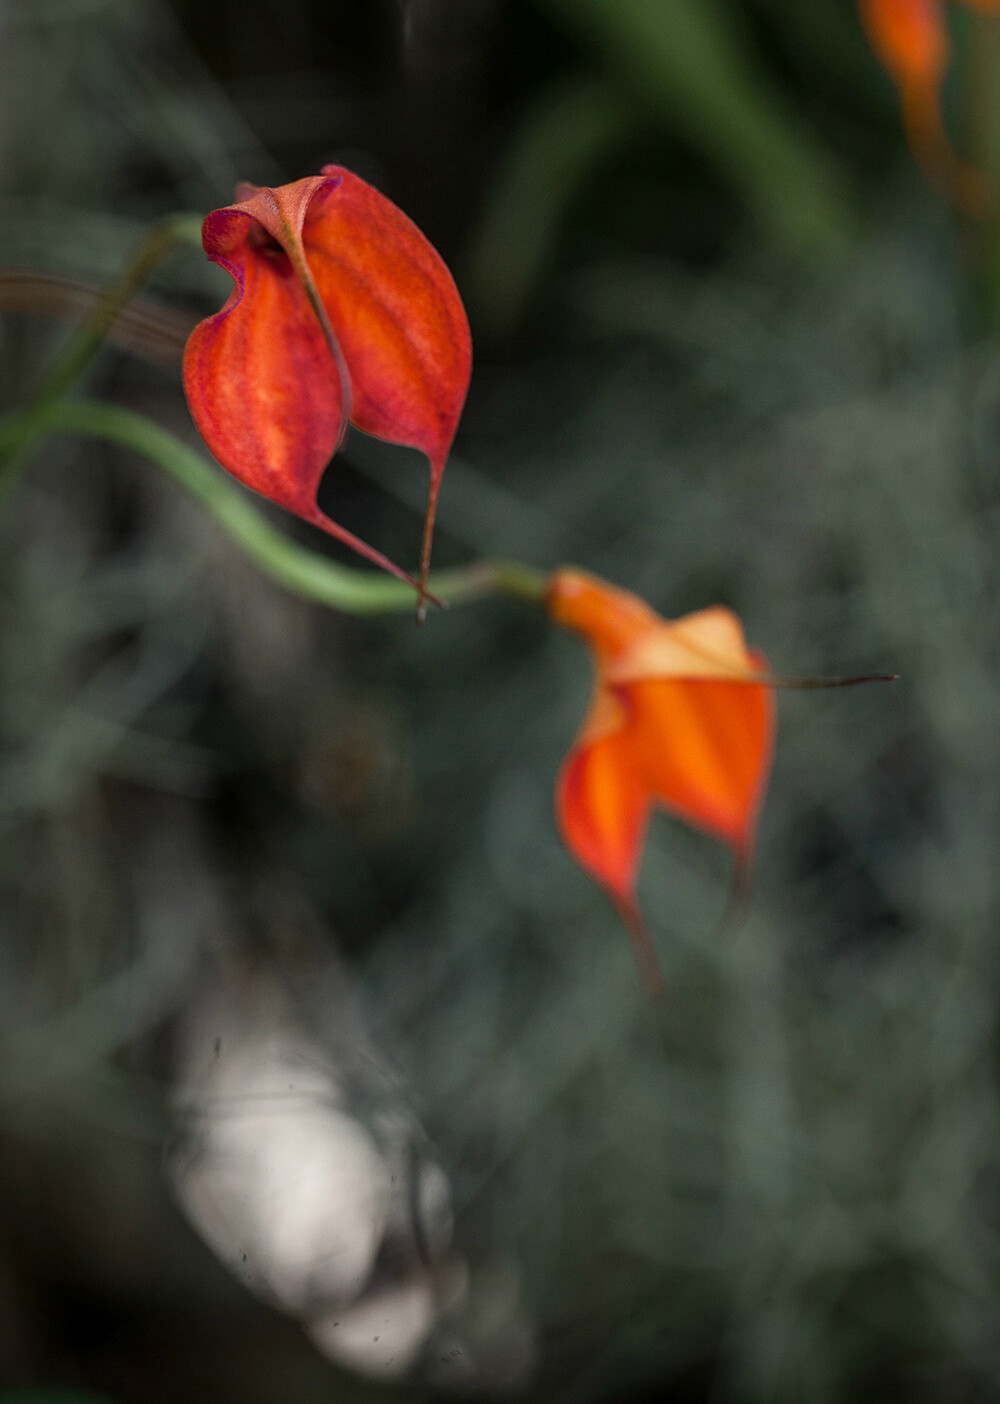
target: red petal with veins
<point>341,309</point>
<point>397,316</point>
<point>260,379</point>
<point>396,313</point>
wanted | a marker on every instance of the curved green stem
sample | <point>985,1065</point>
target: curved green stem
<point>305,572</point>
<point>87,340</point>
<point>21,432</point>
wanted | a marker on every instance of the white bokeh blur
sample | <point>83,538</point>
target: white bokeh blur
<point>326,1202</point>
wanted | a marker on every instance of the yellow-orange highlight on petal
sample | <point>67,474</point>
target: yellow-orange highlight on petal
<point>682,717</point>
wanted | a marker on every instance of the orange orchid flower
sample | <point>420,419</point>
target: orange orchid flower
<point>910,39</point>
<point>682,716</point>
<point>342,313</point>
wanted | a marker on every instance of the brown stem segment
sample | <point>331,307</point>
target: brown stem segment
<point>823,684</point>
<point>966,187</point>
<point>643,951</point>
<point>142,327</point>
<point>339,533</point>
<point>425,549</point>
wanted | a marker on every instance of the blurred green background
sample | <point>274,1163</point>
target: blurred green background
<point>728,349</point>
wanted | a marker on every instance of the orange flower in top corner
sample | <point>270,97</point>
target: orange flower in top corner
<point>910,40</point>
<point>681,716</point>
<point>342,312</point>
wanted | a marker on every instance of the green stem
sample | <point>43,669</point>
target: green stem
<point>87,340</point>
<point>21,432</point>
<point>313,576</point>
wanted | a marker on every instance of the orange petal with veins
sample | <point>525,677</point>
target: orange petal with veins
<point>682,717</point>
<point>602,805</point>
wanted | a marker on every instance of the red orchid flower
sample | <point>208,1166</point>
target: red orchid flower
<point>910,39</point>
<point>682,716</point>
<point>342,313</point>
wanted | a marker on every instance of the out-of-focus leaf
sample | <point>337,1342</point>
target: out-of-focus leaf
<point>689,61</point>
<point>53,1396</point>
<point>572,127</point>
<point>827,32</point>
